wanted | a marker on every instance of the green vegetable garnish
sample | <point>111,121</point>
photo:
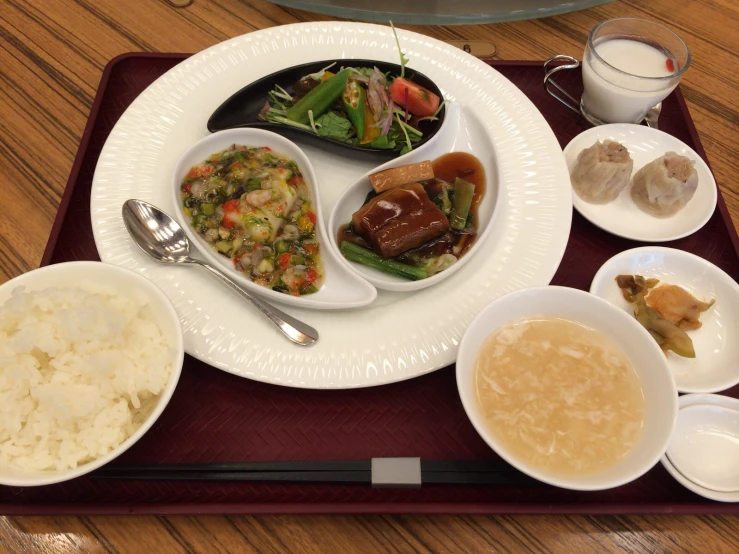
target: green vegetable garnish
<point>353,100</point>
<point>383,142</point>
<point>403,59</point>
<point>464,191</point>
<point>334,126</point>
<point>408,146</point>
<point>366,257</point>
<point>319,99</point>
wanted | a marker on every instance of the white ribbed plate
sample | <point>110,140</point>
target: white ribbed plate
<point>400,335</point>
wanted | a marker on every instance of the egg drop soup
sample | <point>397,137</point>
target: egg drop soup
<point>558,396</point>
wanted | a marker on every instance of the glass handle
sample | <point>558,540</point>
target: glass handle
<point>549,82</point>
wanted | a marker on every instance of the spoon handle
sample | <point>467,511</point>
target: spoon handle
<point>295,330</point>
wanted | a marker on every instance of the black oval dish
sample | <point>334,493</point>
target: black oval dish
<point>242,109</point>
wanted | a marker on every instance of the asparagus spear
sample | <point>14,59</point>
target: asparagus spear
<point>463,193</point>
<point>366,257</point>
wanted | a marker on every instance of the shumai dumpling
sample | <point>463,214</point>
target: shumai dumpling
<point>664,186</point>
<point>602,171</point>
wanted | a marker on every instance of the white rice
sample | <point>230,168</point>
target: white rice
<point>80,371</point>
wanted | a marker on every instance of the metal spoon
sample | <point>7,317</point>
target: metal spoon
<point>163,239</point>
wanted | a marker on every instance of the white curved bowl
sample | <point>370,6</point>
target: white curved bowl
<point>341,288</point>
<point>461,131</point>
<point>649,362</point>
<point>716,365</point>
<point>88,275</point>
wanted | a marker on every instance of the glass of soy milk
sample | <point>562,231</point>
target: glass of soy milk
<point>629,66</point>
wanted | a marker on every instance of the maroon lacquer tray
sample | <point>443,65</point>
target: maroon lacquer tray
<point>216,416</point>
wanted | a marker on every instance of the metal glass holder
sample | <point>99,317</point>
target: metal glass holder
<point>561,95</point>
<point>549,84</point>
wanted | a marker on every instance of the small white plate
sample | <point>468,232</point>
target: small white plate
<point>624,218</point>
<point>716,365</point>
<point>696,400</point>
<point>704,446</point>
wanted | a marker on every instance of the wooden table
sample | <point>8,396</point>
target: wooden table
<point>51,57</point>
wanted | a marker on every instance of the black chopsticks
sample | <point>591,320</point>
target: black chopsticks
<point>378,472</point>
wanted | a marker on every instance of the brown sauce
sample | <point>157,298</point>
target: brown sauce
<point>465,166</point>
<point>446,168</point>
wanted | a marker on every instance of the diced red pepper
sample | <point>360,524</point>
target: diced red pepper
<point>312,217</point>
<point>186,188</point>
<point>201,170</point>
<point>295,181</point>
<point>231,205</point>
<point>310,276</point>
<point>310,248</point>
<point>228,223</point>
<point>284,260</point>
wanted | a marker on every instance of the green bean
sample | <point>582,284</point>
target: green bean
<point>366,257</point>
<point>319,99</point>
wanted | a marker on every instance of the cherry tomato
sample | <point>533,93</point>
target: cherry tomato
<point>420,102</point>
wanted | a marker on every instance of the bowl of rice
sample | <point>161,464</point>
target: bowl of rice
<point>90,355</point>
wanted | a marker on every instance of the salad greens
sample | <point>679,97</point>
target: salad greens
<point>360,106</point>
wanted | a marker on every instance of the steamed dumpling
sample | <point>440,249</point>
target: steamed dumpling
<point>663,186</point>
<point>602,171</point>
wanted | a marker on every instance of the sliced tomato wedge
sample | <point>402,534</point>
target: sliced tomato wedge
<point>421,102</point>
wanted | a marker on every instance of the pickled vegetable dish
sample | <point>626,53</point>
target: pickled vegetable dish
<point>253,206</point>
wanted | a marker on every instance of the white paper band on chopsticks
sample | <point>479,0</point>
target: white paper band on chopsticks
<point>396,472</point>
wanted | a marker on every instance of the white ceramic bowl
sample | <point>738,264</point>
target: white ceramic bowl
<point>88,275</point>
<point>688,400</point>
<point>341,287</point>
<point>656,380</point>
<point>716,364</point>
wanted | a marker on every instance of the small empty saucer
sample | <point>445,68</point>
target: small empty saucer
<point>704,400</point>
<point>705,446</point>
